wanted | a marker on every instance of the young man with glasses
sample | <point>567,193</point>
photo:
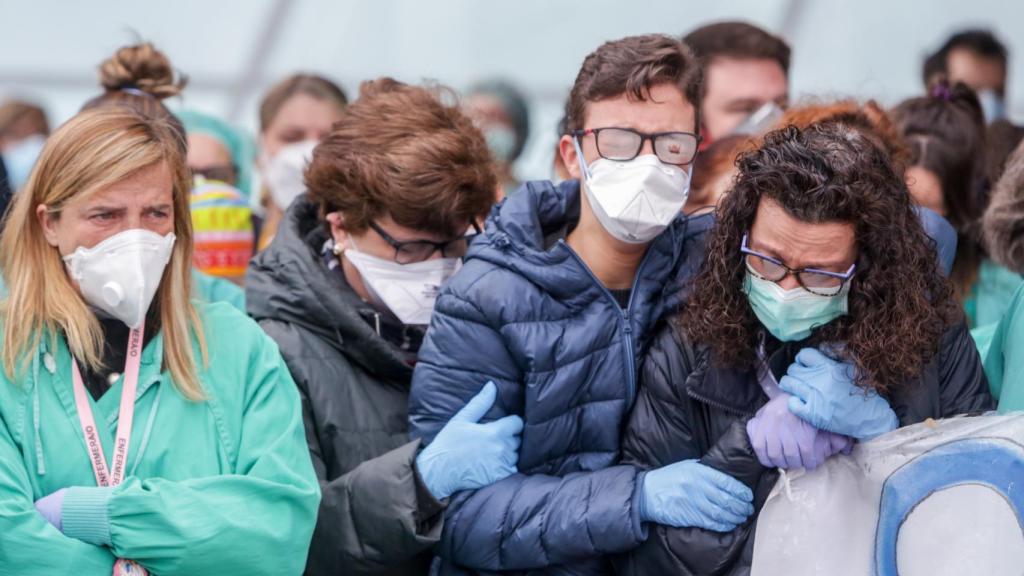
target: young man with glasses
<point>555,304</point>
<point>820,319</point>
<point>346,290</point>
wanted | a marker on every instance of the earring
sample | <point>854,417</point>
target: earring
<point>338,249</point>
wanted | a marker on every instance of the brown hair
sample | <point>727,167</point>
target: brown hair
<point>738,40</point>
<point>309,84</point>
<point>400,151</point>
<point>19,119</point>
<point>632,66</point>
<point>830,172</point>
<point>1001,138</point>
<point>945,133</point>
<point>140,77</point>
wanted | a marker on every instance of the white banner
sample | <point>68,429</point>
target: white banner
<point>938,498</point>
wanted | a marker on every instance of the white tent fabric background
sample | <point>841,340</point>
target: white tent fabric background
<point>234,49</point>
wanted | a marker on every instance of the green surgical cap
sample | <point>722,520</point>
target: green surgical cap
<point>239,144</point>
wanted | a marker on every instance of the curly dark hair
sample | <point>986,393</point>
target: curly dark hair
<point>899,303</point>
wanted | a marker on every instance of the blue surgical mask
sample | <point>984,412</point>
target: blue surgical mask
<point>992,106</point>
<point>20,158</point>
<point>790,315</point>
<point>502,142</point>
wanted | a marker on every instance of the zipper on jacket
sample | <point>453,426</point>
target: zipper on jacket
<point>624,318</point>
<point>715,404</point>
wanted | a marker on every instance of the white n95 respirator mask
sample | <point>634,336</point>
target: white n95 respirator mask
<point>121,274</point>
<point>409,291</point>
<point>634,200</point>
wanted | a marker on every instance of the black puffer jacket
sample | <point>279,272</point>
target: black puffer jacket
<point>375,515</point>
<point>690,408</point>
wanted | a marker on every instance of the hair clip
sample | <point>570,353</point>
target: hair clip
<point>941,91</point>
<point>135,91</point>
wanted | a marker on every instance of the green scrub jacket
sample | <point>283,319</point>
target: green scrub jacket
<point>1004,359</point>
<point>222,486</point>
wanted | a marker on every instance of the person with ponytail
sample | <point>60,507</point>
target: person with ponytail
<point>139,430</point>
<point>945,133</point>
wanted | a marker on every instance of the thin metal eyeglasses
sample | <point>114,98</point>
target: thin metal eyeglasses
<point>820,282</point>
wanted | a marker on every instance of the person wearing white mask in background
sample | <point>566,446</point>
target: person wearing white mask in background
<point>295,114</point>
<point>140,430</point>
<point>501,112</point>
<point>746,78</point>
<point>346,289</point>
<point>554,304</point>
<point>978,59</point>
<point>23,131</point>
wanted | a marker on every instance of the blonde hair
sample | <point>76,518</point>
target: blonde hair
<point>92,151</point>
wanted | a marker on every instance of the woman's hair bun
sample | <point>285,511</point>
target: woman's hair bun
<point>141,67</point>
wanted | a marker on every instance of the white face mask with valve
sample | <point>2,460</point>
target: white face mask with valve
<point>637,199</point>
<point>409,291</point>
<point>121,274</point>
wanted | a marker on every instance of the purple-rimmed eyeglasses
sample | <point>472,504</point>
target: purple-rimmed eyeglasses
<point>820,282</point>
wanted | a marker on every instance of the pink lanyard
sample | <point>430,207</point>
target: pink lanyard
<point>112,476</point>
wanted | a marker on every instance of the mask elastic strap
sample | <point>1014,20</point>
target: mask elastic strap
<point>584,170</point>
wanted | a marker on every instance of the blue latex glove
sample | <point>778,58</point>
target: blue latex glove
<point>689,493</point>
<point>825,396</point>
<point>50,507</point>
<point>466,455</point>
<point>782,440</point>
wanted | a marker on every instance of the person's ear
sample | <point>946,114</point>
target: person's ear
<point>48,222</point>
<point>567,151</point>
<point>338,231</point>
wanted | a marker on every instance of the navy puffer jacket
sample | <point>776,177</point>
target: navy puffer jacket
<point>526,313</point>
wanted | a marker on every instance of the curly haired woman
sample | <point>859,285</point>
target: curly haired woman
<point>820,318</point>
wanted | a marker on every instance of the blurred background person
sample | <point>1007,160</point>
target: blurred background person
<point>501,112</point>
<point>295,114</point>
<point>221,158</point>
<point>977,58</point>
<point>218,151</point>
<point>23,131</point>
<point>1003,348</point>
<point>945,134</point>
<point>745,69</point>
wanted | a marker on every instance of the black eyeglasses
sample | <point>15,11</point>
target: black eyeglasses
<point>820,282</point>
<point>623,144</point>
<point>413,251</point>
